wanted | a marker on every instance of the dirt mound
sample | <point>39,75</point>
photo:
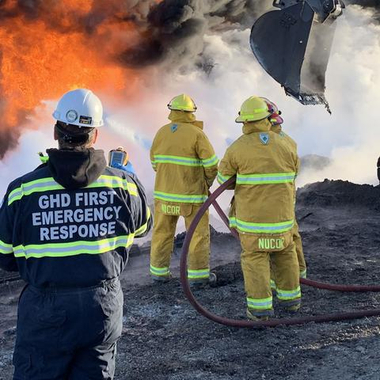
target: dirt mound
<point>339,193</point>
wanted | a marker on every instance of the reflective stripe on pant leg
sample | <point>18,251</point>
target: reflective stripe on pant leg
<point>162,241</point>
<point>199,250</point>
<point>202,274</point>
<point>260,304</point>
<point>256,271</point>
<point>159,272</point>
<point>289,297</point>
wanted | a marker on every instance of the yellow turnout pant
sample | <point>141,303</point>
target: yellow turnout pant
<point>256,271</point>
<point>165,222</point>
<point>299,250</point>
<point>300,257</point>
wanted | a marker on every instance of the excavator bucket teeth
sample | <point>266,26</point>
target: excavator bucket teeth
<point>322,8</point>
<point>294,50</point>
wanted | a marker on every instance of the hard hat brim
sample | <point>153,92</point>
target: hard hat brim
<point>57,116</point>
<point>185,109</point>
<point>247,119</point>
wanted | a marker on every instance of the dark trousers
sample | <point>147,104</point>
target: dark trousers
<point>68,334</point>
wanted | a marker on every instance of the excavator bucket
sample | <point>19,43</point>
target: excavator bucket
<point>293,45</point>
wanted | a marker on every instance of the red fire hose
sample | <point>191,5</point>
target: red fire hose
<point>274,322</point>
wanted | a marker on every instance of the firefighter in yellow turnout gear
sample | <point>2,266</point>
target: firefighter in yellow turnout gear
<point>263,209</point>
<point>186,166</point>
<point>276,120</point>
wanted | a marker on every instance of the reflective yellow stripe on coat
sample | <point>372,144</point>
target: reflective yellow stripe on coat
<point>73,248</point>
<point>267,228</point>
<point>265,179</point>
<point>179,198</point>
<point>49,184</point>
<point>221,178</point>
<point>186,161</point>
<point>144,227</point>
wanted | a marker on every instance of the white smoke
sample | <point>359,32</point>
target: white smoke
<point>349,137</point>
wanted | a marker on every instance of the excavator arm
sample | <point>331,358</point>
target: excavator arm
<point>293,45</point>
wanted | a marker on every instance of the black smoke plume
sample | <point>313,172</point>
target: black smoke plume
<point>169,33</point>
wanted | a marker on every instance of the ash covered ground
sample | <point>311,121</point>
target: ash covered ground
<point>164,338</point>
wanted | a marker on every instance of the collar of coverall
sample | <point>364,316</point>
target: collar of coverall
<point>276,128</point>
<point>184,117</point>
<point>76,168</point>
<point>257,126</point>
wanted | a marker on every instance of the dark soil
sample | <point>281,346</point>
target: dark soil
<point>165,338</point>
<point>339,193</point>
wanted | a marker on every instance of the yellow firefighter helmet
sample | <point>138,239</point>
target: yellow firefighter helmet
<point>182,103</point>
<point>253,109</point>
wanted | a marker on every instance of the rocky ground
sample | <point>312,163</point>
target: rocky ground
<point>165,338</point>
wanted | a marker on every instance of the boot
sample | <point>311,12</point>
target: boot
<point>256,318</point>
<point>200,284</point>
<point>161,279</point>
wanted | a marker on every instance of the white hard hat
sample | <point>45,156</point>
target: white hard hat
<point>80,107</point>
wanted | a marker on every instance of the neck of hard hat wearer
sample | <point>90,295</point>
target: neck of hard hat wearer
<point>66,146</point>
<point>181,117</point>
<point>276,128</point>
<point>62,144</point>
<point>257,126</point>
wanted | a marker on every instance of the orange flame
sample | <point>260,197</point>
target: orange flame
<point>43,57</point>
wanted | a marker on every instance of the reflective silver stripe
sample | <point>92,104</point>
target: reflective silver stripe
<point>260,303</point>
<point>186,161</point>
<point>212,161</point>
<point>49,184</point>
<point>159,271</point>
<point>73,248</point>
<point>114,182</point>
<point>179,198</point>
<point>265,179</point>
<point>40,185</point>
<point>144,227</point>
<point>203,273</point>
<point>288,294</point>
<point>221,178</point>
<point>5,248</point>
<point>271,228</point>
<point>178,160</point>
